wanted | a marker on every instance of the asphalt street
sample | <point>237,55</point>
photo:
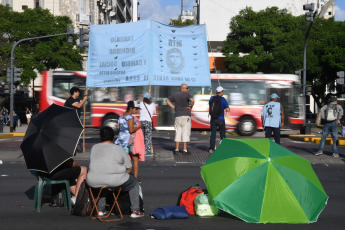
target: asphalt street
<point>162,177</point>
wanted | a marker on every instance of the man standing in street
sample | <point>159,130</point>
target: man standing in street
<point>272,118</point>
<point>217,105</point>
<point>75,103</point>
<point>331,115</point>
<point>183,105</point>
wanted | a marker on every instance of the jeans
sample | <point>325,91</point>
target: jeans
<point>214,124</point>
<point>329,128</point>
<point>276,133</point>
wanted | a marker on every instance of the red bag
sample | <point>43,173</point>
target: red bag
<point>188,197</point>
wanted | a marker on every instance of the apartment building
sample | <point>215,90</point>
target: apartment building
<point>83,12</point>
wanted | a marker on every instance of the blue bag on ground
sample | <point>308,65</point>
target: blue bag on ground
<point>170,212</point>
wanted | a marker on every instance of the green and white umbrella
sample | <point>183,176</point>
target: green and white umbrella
<point>260,181</point>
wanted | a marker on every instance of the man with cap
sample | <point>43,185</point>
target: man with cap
<point>217,121</point>
<point>183,104</point>
<point>330,125</point>
<point>272,118</point>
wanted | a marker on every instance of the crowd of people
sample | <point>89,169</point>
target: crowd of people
<point>115,160</point>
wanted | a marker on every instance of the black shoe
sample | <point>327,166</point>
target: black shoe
<point>176,152</point>
<point>186,152</point>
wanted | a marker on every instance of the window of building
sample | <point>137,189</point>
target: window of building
<point>329,13</point>
<point>39,3</point>
<point>24,7</point>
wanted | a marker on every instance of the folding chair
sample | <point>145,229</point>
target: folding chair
<point>41,182</point>
<point>95,201</point>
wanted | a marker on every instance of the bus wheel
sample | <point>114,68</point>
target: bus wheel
<point>111,121</point>
<point>246,126</point>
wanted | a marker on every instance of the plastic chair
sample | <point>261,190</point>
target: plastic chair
<point>116,196</point>
<point>41,182</point>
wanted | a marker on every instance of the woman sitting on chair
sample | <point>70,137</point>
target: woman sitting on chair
<point>110,166</point>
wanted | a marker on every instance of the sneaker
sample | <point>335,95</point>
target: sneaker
<point>102,213</point>
<point>73,200</point>
<point>318,153</point>
<point>186,152</point>
<point>136,214</point>
<point>210,151</point>
<point>335,155</point>
<point>176,152</point>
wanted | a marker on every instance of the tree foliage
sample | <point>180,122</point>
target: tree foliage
<point>179,22</point>
<point>272,41</point>
<point>36,55</point>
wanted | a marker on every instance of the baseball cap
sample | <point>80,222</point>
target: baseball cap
<point>133,104</point>
<point>219,89</point>
<point>147,95</point>
<point>274,95</point>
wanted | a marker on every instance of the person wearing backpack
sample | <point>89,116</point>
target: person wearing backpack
<point>272,118</point>
<point>217,105</point>
<point>331,115</point>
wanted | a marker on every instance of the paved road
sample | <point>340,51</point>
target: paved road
<point>163,178</point>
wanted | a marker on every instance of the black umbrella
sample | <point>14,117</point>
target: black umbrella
<point>51,138</point>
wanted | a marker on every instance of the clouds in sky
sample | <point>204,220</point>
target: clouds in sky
<point>339,14</point>
<point>163,11</point>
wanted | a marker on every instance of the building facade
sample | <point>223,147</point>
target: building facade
<point>83,12</point>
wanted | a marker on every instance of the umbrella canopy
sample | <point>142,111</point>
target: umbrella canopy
<point>51,138</point>
<point>260,181</point>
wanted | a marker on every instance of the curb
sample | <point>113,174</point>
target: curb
<point>316,140</point>
<point>10,135</point>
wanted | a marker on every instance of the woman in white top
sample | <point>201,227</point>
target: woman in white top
<point>28,115</point>
<point>147,109</point>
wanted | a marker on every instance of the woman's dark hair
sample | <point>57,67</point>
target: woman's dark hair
<point>73,90</point>
<point>107,134</point>
<point>147,101</point>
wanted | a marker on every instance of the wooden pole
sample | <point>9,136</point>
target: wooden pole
<point>84,128</point>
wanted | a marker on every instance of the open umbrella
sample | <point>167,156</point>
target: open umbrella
<point>51,138</point>
<point>260,181</point>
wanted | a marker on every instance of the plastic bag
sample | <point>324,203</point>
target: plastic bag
<point>204,206</point>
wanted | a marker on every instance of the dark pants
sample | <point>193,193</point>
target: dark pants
<point>276,133</point>
<point>214,124</point>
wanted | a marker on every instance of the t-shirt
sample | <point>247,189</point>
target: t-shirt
<point>144,115</point>
<point>108,164</point>
<point>271,113</point>
<point>69,103</point>
<point>225,105</point>
<point>181,100</point>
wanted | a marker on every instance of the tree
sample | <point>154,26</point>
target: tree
<point>179,22</point>
<point>272,41</point>
<point>39,55</point>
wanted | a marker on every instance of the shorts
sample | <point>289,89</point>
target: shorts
<point>28,116</point>
<point>183,125</point>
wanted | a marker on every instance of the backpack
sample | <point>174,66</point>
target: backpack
<point>188,197</point>
<point>331,112</point>
<point>215,107</point>
<point>83,204</point>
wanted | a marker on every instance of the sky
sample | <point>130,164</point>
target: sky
<point>164,10</point>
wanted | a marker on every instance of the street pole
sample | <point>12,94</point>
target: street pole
<point>12,72</point>
<point>305,72</point>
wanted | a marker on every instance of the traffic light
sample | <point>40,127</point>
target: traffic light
<point>17,72</point>
<point>340,79</point>
<point>84,37</point>
<point>8,76</point>
<point>309,16</point>
<point>70,31</point>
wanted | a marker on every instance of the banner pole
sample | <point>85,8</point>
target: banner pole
<point>84,128</point>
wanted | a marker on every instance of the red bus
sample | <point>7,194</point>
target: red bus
<point>245,93</point>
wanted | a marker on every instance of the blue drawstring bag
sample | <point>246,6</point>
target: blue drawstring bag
<point>170,212</point>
